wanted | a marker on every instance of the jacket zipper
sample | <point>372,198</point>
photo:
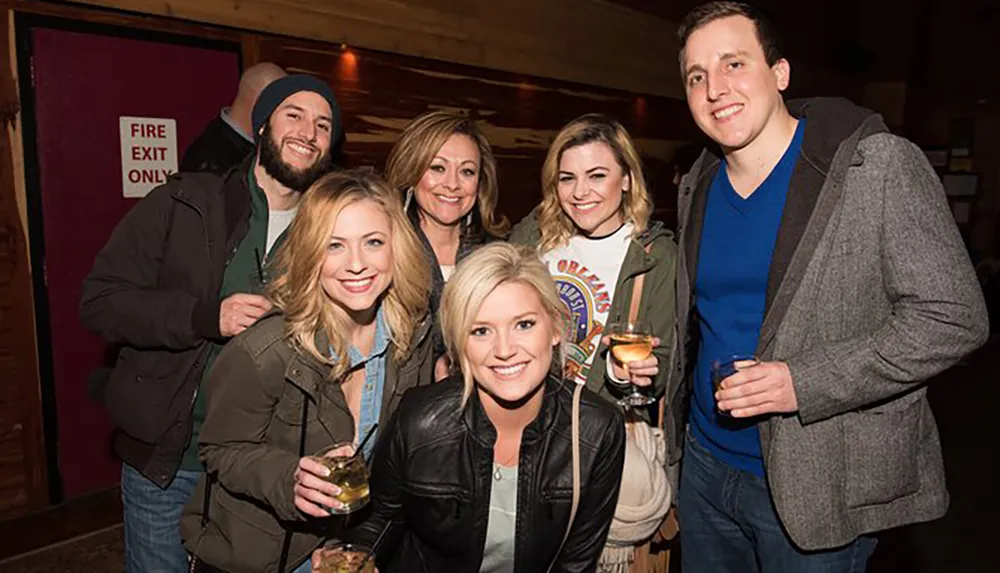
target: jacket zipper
<point>208,254</point>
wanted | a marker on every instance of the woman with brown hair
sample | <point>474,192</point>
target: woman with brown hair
<point>615,269</point>
<point>351,334</point>
<point>445,169</point>
<point>593,229</point>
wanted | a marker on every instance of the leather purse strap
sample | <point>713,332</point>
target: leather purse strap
<point>575,429</point>
<point>633,306</point>
<point>633,313</point>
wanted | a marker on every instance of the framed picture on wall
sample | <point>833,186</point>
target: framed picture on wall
<point>960,184</point>
<point>938,157</point>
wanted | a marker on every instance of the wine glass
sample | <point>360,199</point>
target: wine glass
<point>630,341</point>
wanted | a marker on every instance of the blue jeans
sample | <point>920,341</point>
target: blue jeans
<point>152,522</point>
<point>729,525</point>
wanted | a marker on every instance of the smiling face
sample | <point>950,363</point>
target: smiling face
<point>590,187</point>
<point>510,343</point>
<point>731,90</point>
<point>447,191</point>
<point>359,260</point>
<point>295,142</point>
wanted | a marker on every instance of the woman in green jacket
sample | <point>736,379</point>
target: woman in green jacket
<point>593,230</point>
<point>351,335</point>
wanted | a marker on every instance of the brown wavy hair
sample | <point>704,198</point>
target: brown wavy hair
<point>637,206</point>
<point>414,151</point>
<point>297,291</point>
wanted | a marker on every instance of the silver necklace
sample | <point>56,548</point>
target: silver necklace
<point>497,474</point>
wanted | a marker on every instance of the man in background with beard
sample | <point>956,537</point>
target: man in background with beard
<point>182,273</point>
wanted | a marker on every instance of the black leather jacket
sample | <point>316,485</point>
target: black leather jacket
<point>432,477</point>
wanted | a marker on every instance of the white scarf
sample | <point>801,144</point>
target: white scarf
<point>644,498</point>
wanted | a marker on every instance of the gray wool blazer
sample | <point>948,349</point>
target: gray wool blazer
<point>871,292</point>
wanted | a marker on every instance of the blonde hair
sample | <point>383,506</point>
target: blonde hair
<point>420,141</point>
<point>637,206</point>
<point>479,275</point>
<point>297,291</point>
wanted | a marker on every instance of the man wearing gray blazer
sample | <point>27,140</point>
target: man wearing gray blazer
<point>821,248</point>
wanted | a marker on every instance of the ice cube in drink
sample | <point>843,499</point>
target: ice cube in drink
<point>345,558</point>
<point>349,473</point>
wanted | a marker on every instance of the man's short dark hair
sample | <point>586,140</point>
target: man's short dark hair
<point>712,11</point>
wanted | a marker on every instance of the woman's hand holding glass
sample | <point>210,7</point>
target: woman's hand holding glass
<point>638,372</point>
<point>631,345</point>
<point>315,495</point>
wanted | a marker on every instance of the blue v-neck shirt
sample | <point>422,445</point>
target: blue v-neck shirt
<point>734,260</point>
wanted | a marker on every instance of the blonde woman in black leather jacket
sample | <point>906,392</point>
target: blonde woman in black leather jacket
<point>475,474</point>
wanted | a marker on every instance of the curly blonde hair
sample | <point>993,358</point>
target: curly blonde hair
<point>297,291</point>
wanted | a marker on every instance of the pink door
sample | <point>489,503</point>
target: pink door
<point>85,81</point>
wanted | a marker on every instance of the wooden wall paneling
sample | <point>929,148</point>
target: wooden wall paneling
<point>250,50</point>
<point>134,19</point>
<point>23,485</point>
<point>584,41</point>
<point>380,93</point>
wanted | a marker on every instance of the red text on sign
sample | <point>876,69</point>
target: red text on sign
<point>145,153</point>
<point>148,175</point>
<point>149,130</point>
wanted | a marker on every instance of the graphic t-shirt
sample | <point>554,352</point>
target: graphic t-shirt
<point>586,272</point>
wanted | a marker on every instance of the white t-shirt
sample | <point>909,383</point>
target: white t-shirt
<point>446,271</point>
<point>277,222</point>
<point>501,526</point>
<point>586,272</point>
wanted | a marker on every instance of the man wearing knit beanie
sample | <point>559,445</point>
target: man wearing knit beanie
<point>182,273</point>
<point>295,121</point>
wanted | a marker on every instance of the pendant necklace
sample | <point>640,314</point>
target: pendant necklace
<point>496,467</point>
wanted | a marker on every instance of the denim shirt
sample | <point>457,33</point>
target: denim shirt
<point>371,391</point>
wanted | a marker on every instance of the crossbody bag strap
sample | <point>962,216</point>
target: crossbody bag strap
<point>633,313</point>
<point>575,431</point>
<point>633,306</point>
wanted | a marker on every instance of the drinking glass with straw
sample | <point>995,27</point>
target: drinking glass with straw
<point>340,557</point>
<point>348,472</point>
